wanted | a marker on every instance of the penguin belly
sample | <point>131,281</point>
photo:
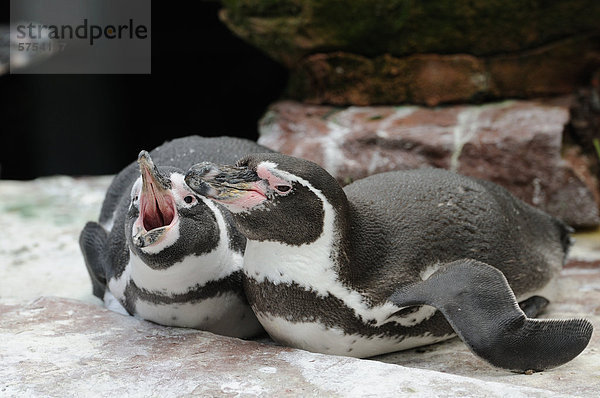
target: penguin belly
<point>172,297</point>
<point>225,314</point>
<point>322,314</point>
<point>317,337</point>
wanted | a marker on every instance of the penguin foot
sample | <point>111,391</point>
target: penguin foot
<point>479,304</point>
<point>111,303</point>
<point>534,306</point>
<point>92,241</point>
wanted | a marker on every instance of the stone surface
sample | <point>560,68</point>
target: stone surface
<point>340,78</point>
<point>71,346</point>
<point>60,347</point>
<point>41,221</point>
<point>516,144</point>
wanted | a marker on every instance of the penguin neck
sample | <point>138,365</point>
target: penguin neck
<point>193,270</point>
<point>314,266</point>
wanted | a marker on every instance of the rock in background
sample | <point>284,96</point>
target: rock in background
<point>346,57</point>
<point>393,51</point>
<point>516,144</point>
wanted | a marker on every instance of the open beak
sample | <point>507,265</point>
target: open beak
<point>157,205</point>
<point>237,187</point>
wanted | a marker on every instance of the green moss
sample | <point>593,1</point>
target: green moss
<point>402,27</point>
<point>240,9</point>
<point>24,210</point>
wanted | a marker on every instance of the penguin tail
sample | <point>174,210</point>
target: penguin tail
<point>566,240</point>
<point>92,242</point>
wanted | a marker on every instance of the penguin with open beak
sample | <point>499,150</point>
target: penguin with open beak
<point>166,254</point>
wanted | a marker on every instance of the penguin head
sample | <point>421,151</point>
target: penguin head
<point>167,220</point>
<point>272,197</point>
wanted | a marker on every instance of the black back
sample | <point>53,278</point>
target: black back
<point>403,222</point>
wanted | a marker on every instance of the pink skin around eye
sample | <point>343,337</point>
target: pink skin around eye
<point>264,173</point>
<point>257,195</point>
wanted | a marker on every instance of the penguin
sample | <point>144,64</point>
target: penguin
<point>165,254</point>
<point>395,261</point>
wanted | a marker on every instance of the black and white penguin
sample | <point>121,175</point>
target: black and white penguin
<point>165,253</point>
<point>394,261</point>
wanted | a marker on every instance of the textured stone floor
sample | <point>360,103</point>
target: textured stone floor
<point>56,340</point>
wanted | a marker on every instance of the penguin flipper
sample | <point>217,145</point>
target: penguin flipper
<point>479,304</point>
<point>92,241</point>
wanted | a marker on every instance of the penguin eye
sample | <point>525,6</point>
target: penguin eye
<point>282,188</point>
<point>188,199</point>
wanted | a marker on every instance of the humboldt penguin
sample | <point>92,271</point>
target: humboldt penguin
<point>395,260</point>
<point>165,254</point>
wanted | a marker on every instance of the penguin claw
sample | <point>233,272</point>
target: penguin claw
<point>479,304</point>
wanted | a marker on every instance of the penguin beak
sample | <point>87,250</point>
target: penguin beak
<point>157,205</point>
<point>232,186</point>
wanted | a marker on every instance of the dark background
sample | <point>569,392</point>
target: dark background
<point>204,81</point>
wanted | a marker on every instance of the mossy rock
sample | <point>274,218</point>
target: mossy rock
<point>341,79</point>
<point>288,30</point>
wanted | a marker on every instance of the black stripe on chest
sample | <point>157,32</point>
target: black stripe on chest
<point>296,304</point>
<point>231,283</point>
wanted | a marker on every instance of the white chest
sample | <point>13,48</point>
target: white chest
<point>224,314</point>
<point>190,272</point>
<point>310,267</point>
<point>313,267</point>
